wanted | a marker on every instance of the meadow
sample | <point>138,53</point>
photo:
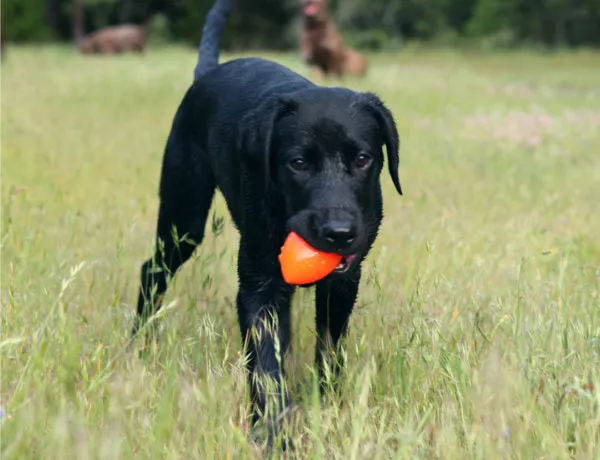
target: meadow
<point>477,330</point>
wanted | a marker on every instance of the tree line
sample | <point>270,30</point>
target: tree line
<point>366,24</point>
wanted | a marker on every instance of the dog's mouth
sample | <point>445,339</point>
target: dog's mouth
<point>346,263</point>
<point>311,9</point>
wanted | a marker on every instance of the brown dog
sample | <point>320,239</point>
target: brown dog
<point>117,39</point>
<point>321,45</point>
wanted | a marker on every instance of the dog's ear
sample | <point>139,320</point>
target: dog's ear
<point>389,134</point>
<point>255,134</point>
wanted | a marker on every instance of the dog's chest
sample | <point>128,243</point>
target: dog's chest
<point>322,43</point>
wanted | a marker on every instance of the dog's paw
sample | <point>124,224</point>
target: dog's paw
<point>273,434</point>
<point>272,440</point>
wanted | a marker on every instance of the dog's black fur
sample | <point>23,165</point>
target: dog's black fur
<point>287,155</point>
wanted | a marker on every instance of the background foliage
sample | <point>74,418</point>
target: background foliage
<point>372,24</point>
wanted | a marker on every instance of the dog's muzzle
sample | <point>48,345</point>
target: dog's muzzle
<point>336,230</point>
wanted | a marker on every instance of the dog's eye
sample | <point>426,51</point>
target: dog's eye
<point>299,164</point>
<point>362,161</point>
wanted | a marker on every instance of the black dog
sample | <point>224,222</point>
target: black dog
<point>287,155</point>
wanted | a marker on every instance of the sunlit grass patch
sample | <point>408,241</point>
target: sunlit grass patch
<point>476,333</point>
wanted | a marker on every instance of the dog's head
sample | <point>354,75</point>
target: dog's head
<point>314,10</point>
<point>321,154</point>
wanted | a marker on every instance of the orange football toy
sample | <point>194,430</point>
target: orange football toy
<point>303,264</point>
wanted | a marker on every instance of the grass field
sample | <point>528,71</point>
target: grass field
<point>477,332</point>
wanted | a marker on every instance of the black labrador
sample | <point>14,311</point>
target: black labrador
<point>286,155</point>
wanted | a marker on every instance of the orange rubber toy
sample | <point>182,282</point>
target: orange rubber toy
<point>303,264</point>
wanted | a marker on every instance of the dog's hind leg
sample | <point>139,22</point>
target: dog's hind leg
<point>186,196</point>
<point>334,301</point>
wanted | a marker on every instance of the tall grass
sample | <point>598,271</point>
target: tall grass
<point>477,332</point>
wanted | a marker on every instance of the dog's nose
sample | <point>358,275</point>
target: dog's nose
<point>339,233</point>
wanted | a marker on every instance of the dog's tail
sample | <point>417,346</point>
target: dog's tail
<point>210,44</point>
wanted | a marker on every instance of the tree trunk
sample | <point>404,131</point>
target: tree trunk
<point>125,7</point>
<point>560,28</point>
<point>77,21</point>
<point>52,11</point>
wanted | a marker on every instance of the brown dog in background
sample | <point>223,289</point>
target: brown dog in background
<point>117,39</point>
<point>321,45</point>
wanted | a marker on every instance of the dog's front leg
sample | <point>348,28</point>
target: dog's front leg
<point>263,305</point>
<point>334,303</point>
